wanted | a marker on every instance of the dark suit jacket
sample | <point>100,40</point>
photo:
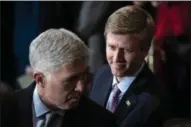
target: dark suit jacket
<point>88,113</point>
<point>145,94</point>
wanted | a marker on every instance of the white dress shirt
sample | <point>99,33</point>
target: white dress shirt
<point>39,108</point>
<point>123,85</point>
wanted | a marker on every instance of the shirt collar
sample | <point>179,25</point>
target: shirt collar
<point>39,107</point>
<point>126,80</point>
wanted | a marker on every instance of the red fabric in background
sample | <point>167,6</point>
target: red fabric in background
<point>171,20</point>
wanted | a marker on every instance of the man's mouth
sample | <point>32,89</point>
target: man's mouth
<point>74,98</point>
<point>119,65</point>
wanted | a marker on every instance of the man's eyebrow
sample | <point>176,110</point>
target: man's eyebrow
<point>74,75</point>
<point>110,43</point>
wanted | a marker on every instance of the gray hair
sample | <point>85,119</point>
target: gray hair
<point>55,47</point>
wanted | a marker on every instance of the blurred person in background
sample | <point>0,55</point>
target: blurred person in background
<point>8,106</point>
<point>172,52</point>
<point>172,46</point>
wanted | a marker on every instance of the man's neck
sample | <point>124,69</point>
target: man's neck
<point>44,101</point>
<point>134,73</point>
<point>49,105</point>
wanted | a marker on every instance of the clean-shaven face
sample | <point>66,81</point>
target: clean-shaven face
<point>64,87</point>
<point>123,54</point>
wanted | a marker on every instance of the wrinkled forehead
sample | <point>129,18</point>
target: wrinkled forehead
<point>66,70</point>
<point>77,65</point>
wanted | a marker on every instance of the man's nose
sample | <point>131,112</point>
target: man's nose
<point>119,56</point>
<point>79,86</point>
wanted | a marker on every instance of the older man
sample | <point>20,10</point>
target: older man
<point>59,61</point>
<point>126,86</point>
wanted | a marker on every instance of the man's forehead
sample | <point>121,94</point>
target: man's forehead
<point>74,70</point>
<point>68,70</point>
<point>123,41</point>
<point>74,67</point>
<point>123,38</point>
<point>77,64</point>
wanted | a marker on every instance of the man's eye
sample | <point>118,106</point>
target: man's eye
<point>128,51</point>
<point>66,82</point>
<point>112,47</point>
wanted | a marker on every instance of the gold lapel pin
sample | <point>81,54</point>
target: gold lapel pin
<point>128,103</point>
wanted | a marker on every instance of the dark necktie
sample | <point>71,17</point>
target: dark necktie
<point>53,120</point>
<point>115,98</point>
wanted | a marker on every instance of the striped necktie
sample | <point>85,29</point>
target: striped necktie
<point>115,98</point>
<point>50,119</point>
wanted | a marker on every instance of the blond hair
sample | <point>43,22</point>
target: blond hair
<point>132,20</point>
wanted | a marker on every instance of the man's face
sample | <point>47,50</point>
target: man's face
<point>124,54</point>
<point>64,87</point>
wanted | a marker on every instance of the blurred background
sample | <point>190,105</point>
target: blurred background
<point>169,56</point>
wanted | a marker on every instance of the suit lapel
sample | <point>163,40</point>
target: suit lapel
<point>125,106</point>
<point>102,86</point>
<point>107,89</point>
<point>101,93</point>
<point>129,99</point>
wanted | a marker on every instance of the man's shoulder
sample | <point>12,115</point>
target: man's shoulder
<point>24,96</point>
<point>103,71</point>
<point>92,104</point>
<point>96,108</point>
<point>102,76</point>
<point>91,114</point>
<point>25,91</point>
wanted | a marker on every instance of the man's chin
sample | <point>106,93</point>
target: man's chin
<point>118,73</point>
<point>69,105</point>
<point>73,103</point>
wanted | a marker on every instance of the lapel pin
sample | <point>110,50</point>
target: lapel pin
<point>128,103</point>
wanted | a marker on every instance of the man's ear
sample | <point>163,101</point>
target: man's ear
<point>144,51</point>
<point>39,78</point>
